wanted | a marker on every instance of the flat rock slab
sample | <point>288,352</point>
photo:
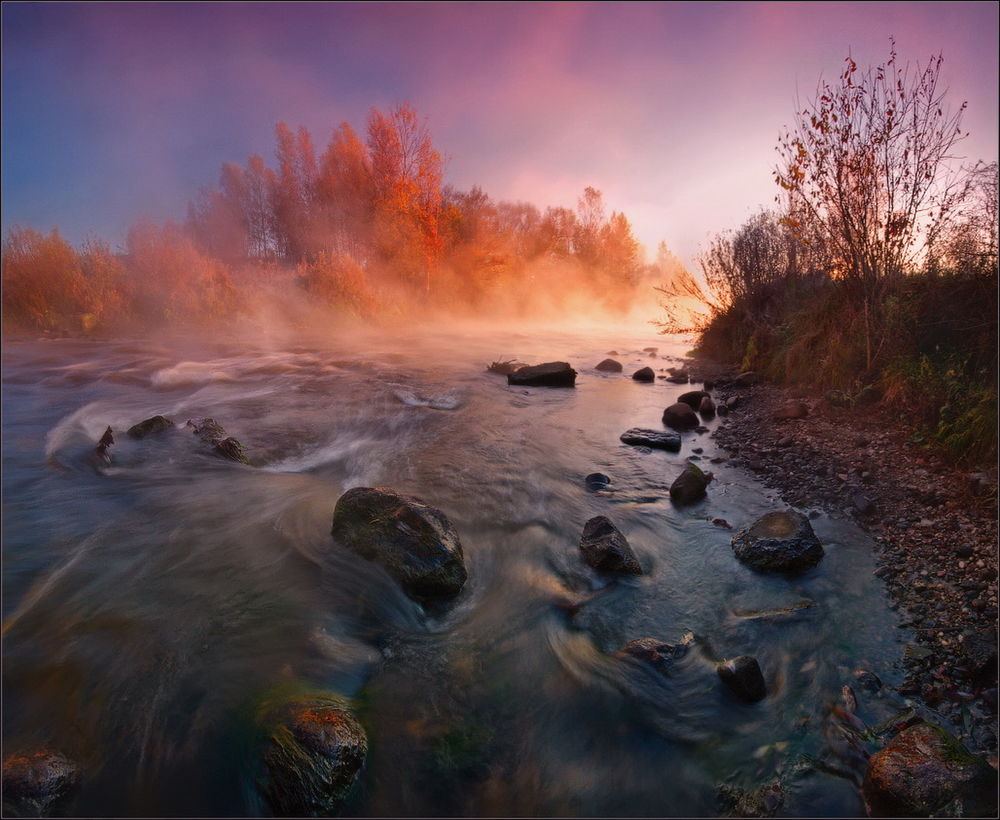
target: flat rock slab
<point>549,374</point>
<point>778,542</point>
<point>413,541</point>
<point>604,548</point>
<point>652,438</point>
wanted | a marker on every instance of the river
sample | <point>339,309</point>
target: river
<point>147,606</point>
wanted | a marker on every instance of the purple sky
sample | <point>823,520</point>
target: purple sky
<point>112,111</point>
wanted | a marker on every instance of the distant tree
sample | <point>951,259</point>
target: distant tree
<point>345,196</point>
<point>968,243</point>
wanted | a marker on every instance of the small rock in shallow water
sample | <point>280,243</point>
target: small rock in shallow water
<point>645,374</point>
<point>151,426</point>
<point>690,486</point>
<point>605,548</point>
<point>743,676</point>
<point>652,438</point>
<point>609,366</point>
<point>597,481</point>
<point>549,374</point>
<point>778,542</point>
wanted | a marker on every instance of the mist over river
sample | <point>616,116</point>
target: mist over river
<point>148,605</point>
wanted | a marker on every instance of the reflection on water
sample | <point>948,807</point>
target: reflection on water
<point>148,605</point>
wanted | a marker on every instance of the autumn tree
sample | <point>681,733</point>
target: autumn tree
<point>406,179</point>
<point>345,196</point>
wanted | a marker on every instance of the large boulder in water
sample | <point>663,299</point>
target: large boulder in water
<point>922,770</point>
<point>414,542</point>
<point>652,438</point>
<point>743,677</point>
<point>690,486</point>
<point>550,374</point>
<point>150,426</point>
<point>605,549</point>
<point>314,749</point>
<point>692,398</point>
<point>36,783</point>
<point>609,366</point>
<point>680,416</point>
<point>644,374</point>
<point>778,542</point>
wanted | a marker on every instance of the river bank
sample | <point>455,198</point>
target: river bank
<point>934,527</point>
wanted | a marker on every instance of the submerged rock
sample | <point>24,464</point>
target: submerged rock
<point>680,416</point>
<point>764,801</point>
<point>690,486</point>
<point>231,448</point>
<point>36,783</point>
<point>652,438</point>
<point>778,542</point>
<point>922,770</point>
<point>313,752</point>
<point>150,426</point>
<point>414,542</point>
<point>743,677</point>
<point>550,374</point>
<point>597,481</point>
<point>605,548</point>
<point>659,654</point>
<point>609,366</point>
<point>211,432</point>
<point>644,374</point>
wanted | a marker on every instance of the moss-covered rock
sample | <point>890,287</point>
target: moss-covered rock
<point>690,486</point>
<point>922,770</point>
<point>414,542</point>
<point>314,748</point>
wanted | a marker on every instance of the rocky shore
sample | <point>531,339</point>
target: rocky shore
<point>935,528</point>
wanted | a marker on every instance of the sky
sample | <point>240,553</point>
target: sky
<point>116,111</point>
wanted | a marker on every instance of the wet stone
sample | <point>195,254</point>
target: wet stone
<point>743,677</point>
<point>151,426</point>
<point>604,548</point>
<point>778,542</point>
<point>37,783</point>
<point>652,438</point>
<point>550,374</point>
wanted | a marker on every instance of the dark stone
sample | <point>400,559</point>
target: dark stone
<point>868,395</point>
<point>208,430</point>
<point>707,407</point>
<point>791,410</point>
<point>743,676</point>
<point>709,385</point>
<point>314,749</point>
<point>979,652</point>
<point>746,379</point>
<point>644,374</point>
<point>761,802</point>
<point>612,353</point>
<point>597,481</point>
<point>837,398</point>
<point>692,398</point>
<point>550,374</point>
<point>605,549</point>
<point>102,452</point>
<point>653,350</point>
<point>231,448</point>
<point>862,503</point>
<point>722,410</point>
<point>156,424</point>
<point>652,438</point>
<point>778,542</point>
<point>680,416</point>
<point>609,366</point>
<point>690,485</point>
<point>649,650</point>
<point>35,783</point>
<point>923,769</point>
<point>868,681</point>
<point>414,542</point>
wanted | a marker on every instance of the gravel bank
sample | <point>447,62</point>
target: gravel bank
<point>935,528</point>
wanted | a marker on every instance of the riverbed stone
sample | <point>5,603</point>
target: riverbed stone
<point>609,366</point>
<point>549,374</point>
<point>690,486</point>
<point>597,481</point>
<point>314,749</point>
<point>925,768</point>
<point>652,438</point>
<point>656,652</point>
<point>37,782</point>
<point>644,374</point>
<point>791,410</point>
<point>692,398</point>
<point>680,416</point>
<point>415,542</point>
<point>102,452</point>
<point>604,548</point>
<point>231,448</point>
<point>150,426</point>
<point>778,542</point>
<point>743,677</point>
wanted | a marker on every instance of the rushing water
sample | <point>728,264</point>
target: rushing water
<point>148,606</point>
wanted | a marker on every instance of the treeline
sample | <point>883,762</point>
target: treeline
<point>876,277</point>
<point>366,228</point>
